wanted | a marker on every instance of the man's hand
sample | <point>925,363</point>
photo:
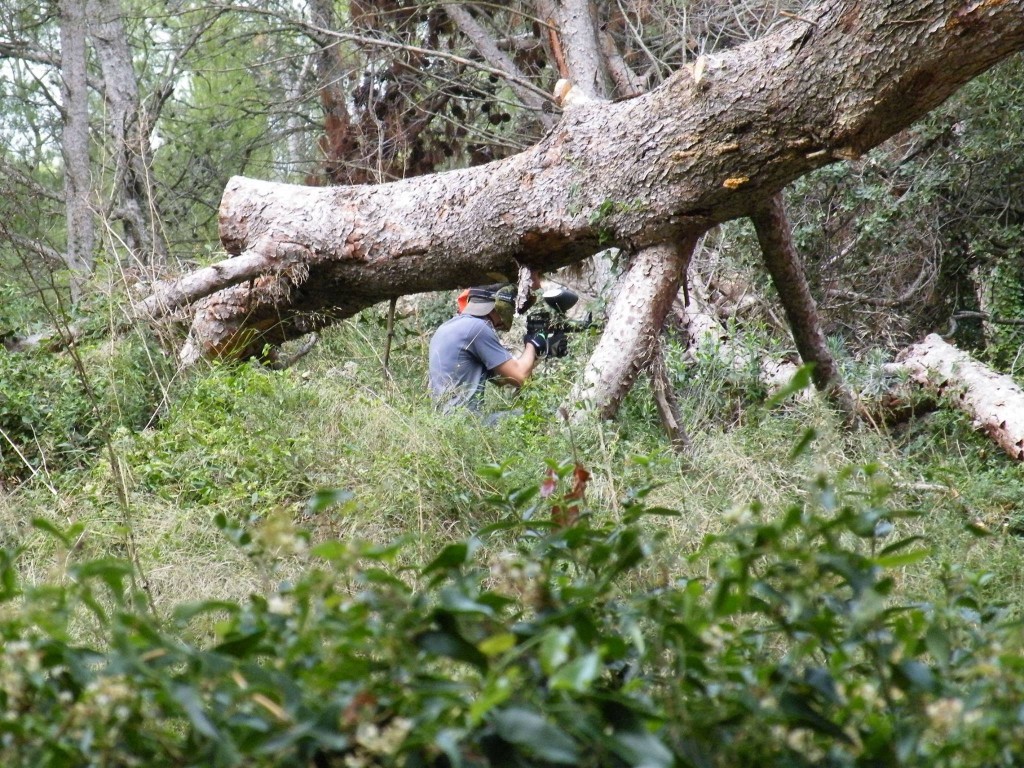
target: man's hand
<point>554,343</point>
<point>539,341</point>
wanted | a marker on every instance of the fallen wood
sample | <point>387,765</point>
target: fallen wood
<point>993,400</point>
<point>705,330</point>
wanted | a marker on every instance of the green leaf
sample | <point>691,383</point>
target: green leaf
<point>914,675</point>
<point>800,711</point>
<point>111,570</point>
<point>44,525</point>
<point>495,645</point>
<point>803,443</point>
<point>642,749</point>
<point>241,644</point>
<point>554,649</point>
<point>451,556</point>
<point>801,380</point>
<point>901,544</point>
<point>455,600</point>
<point>453,646</point>
<point>189,701</point>
<point>332,551</point>
<point>937,642</point>
<point>659,512</point>
<point>533,734</point>
<point>497,692</point>
<point>903,558</point>
<point>326,498</point>
<point>578,675</point>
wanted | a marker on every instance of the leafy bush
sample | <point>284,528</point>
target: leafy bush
<point>552,637</point>
<point>230,435</point>
<point>54,419</point>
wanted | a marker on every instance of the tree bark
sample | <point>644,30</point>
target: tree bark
<point>129,134</point>
<point>635,320</point>
<point>576,28</point>
<point>994,401</point>
<point>663,167</point>
<point>81,232</point>
<point>787,273</point>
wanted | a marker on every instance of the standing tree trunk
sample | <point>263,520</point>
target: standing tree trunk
<point>129,134</point>
<point>81,232</point>
<point>635,321</point>
<point>575,35</point>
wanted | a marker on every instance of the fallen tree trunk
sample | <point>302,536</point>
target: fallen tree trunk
<point>994,401</point>
<point>705,332</point>
<point>661,168</point>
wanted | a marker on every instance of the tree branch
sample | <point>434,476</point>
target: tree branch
<point>497,59</point>
<point>787,273</point>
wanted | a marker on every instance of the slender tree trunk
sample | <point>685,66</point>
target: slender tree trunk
<point>81,233</point>
<point>129,134</point>
<point>787,273</point>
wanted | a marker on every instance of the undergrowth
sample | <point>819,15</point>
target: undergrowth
<point>425,611</point>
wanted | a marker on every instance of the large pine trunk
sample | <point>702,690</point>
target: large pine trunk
<point>709,145</point>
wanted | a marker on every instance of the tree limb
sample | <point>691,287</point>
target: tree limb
<point>787,273</point>
<point>498,59</point>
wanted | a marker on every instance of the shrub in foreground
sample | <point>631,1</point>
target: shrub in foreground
<point>552,637</point>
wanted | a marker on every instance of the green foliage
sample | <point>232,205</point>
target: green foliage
<point>57,418</point>
<point>226,439</point>
<point>44,411</point>
<point>989,485</point>
<point>781,641</point>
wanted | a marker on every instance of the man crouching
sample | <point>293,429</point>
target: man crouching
<point>465,351</point>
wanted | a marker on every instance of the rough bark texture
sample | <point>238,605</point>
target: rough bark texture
<point>635,320</point>
<point>994,401</point>
<point>81,233</point>
<point>129,133</point>
<point>663,167</point>
<point>576,28</point>
<point>787,274</point>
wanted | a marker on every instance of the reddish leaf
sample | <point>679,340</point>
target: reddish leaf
<point>550,484</point>
<point>580,478</point>
<point>566,517</point>
<point>563,517</point>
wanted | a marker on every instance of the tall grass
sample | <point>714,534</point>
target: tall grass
<point>253,445</point>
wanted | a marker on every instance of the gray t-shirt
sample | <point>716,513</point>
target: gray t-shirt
<point>463,353</point>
